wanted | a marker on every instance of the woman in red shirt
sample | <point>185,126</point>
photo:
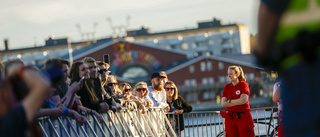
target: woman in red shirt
<point>235,98</point>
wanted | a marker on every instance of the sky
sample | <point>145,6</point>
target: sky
<point>28,23</point>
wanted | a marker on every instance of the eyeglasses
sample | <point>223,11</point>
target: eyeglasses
<point>167,89</point>
<point>126,90</point>
<point>101,71</point>
<point>92,67</point>
<point>111,84</point>
<point>141,89</point>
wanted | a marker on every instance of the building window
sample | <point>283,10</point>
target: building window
<point>203,66</point>
<point>211,81</point>
<point>210,42</point>
<point>222,79</point>
<point>204,81</point>
<point>206,95</point>
<point>221,66</point>
<point>191,69</point>
<point>176,46</point>
<point>227,79</point>
<point>187,83</point>
<point>209,66</point>
<point>251,76</point>
<point>202,43</point>
<point>193,83</point>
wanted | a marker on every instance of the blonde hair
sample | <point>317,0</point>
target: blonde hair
<point>123,85</point>
<point>175,94</point>
<point>141,83</point>
<point>89,60</point>
<point>111,77</point>
<point>89,85</point>
<point>238,70</point>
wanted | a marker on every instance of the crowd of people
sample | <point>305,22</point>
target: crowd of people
<point>75,90</point>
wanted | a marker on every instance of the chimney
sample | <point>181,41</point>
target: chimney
<point>6,44</point>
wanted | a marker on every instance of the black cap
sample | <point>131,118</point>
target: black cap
<point>158,74</point>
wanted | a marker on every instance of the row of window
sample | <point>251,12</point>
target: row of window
<point>205,66</point>
<point>210,80</point>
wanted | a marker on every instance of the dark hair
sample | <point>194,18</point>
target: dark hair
<point>65,62</point>
<point>87,85</point>
<point>74,71</point>
<point>175,94</point>
<point>54,62</point>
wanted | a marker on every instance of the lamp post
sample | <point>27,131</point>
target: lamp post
<point>70,50</point>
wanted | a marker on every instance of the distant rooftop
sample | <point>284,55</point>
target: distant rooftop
<point>144,31</point>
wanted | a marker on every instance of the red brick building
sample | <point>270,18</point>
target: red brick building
<point>199,79</point>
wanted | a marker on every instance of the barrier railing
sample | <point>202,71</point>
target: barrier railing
<point>154,123</point>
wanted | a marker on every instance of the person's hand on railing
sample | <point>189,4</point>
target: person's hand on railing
<point>167,109</point>
<point>82,109</point>
<point>98,116</point>
<point>148,103</point>
<point>104,107</point>
<point>142,108</point>
<point>178,111</point>
<point>79,118</point>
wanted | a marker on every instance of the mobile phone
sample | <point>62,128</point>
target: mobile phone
<point>63,100</point>
<point>106,58</point>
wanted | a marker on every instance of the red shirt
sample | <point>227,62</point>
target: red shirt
<point>234,92</point>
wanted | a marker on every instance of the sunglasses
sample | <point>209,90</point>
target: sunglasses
<point>101,71</point>
<point>111,84</point>
<point>167,89</point>
<point>126,90</point>
<point>141,89</point>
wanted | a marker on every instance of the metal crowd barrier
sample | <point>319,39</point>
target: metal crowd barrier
<point>123,123</point>
<point>211,124</point>
<point>153,123</point>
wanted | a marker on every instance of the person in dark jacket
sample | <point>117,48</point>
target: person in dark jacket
<point>88,96</point>
<point>177,105</point>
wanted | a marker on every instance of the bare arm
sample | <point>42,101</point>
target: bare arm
<point>38,87</point>
<point>276,96</point>
<point>234,102</point>
<point>72,90</point>
<point>55,112</point>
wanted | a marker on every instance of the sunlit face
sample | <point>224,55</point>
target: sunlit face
<point>104,73</point>
<point>113,84</point>
<point>93,69</point>
<point>127,90</point>
<point>84,71</point>
<point>232,75</point>
<point>169,90</point>
<point>141,91</point>
<point>158,83</point>
<point>65,70</point>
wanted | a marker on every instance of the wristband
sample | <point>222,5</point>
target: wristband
<point>230,101</point>
<point>65,110</point>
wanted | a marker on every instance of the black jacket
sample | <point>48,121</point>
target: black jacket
<point>180,103</point>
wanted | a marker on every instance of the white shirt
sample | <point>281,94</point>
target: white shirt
<point>159,99</point>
